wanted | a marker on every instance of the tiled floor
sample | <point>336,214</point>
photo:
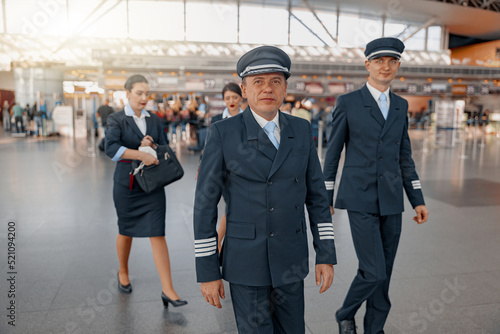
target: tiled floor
<point>446,277</point>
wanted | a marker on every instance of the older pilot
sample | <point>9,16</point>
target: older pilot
<point>266,164</point>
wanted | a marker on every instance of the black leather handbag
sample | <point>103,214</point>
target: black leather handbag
<point>153,177</point>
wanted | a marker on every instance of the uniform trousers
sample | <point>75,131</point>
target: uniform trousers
<point>269,310</point>
<point>376,240</point>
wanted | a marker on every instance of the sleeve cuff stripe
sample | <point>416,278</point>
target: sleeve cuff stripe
<point>204,254</point>
<point>213,243</point>
<point>205,249</point>
<point>415,181</point>
<point>325,225</point>
<point>327,237</point>
<point>326,229</point>
<point>327,233</point>
<point>204,240</point>
<point>417,187</point>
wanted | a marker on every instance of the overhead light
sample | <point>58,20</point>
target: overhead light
<point>188,74</point>
<point>429,79</point>
<point>329,77</point>
<point>315,77</point>
<point>304,76</point>
<point>339,77</point>
<point>235,74</point>
<point>486,81</point>
<point>200,74</point>
<point>459,80</point>
<point>450,80</point>
<point>172,73</point>
<point>402,79</point>
<point>160,73</point>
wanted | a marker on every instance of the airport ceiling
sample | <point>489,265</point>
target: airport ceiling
<point>472,18</point>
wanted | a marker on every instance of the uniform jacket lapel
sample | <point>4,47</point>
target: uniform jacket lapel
<point>394,110</point>
<point>133,126</point>
<point>149,126</point>
<point>286,143</point>
<point>370,102</point>
<point>257,137</point>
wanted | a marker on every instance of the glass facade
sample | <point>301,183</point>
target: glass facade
<point>208,21</point>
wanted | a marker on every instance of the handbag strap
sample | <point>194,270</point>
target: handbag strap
<point>138,169</point>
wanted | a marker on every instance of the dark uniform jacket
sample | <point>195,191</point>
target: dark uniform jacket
<point>122,131</point>
<point>265,192</point>
<point>378,162</point>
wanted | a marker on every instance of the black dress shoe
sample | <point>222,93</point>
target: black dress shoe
<point>175,303</point>
<point>124,288</point>
<point>347,326</point>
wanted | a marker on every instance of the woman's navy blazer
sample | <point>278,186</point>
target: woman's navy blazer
<point>122,131</point>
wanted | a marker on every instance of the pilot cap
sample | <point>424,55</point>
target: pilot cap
<point>385,46</point>
<point>264,59</point>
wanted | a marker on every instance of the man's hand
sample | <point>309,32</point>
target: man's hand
<point>332,210</point>
<point>325,271</point>
<point>212,290</point>
<point>422,214</point>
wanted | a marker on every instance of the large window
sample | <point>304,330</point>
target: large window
<point>216,21</point>
<point>89,19</point>
<point>355,31</point>
<point>160,20</point>
<point>36,18</point>
<point>434,38</point>
<point>1,19</point>
<point>263,25</point>
<point>208,21</point>
<point>300,35</point>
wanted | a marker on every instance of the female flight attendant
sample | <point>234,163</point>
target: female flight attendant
<point>131,132</point>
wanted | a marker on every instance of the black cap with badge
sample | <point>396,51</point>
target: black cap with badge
<point>264,59</point>
<point>385,46</point>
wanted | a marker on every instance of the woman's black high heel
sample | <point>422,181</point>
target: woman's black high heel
<point>175,303</point>
<point>124,288</point>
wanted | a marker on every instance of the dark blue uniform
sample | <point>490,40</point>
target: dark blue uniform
<point>265,192</point>
<point>139,214</point>
<point>378,166</point>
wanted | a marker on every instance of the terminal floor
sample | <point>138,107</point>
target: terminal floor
<point>446,277</point>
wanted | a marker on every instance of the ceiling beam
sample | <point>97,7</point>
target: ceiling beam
<point>424,26</point>
<point>310,30</point>
<point>319,20</point>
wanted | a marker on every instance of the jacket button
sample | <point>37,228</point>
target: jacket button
<point>297,206</point>
<point>297,230</point>
<point>271,209</point>
<point>381,176</point>
<point>380,158</point>
<point>296,179</point>
<point>380,141</point>
<point>269,182</point>
<point>271,234</point>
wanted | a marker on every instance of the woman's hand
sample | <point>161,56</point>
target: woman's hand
<point>148,159</point>
<point>148,141</point>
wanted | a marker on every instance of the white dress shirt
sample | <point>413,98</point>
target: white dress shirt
<point>376,94</point>
<point>262,122</point>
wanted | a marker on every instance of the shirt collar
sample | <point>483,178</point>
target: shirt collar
<point>226,114</point>
<point>376,93</point>
<point>130,112</point>
<point>262,121</point>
